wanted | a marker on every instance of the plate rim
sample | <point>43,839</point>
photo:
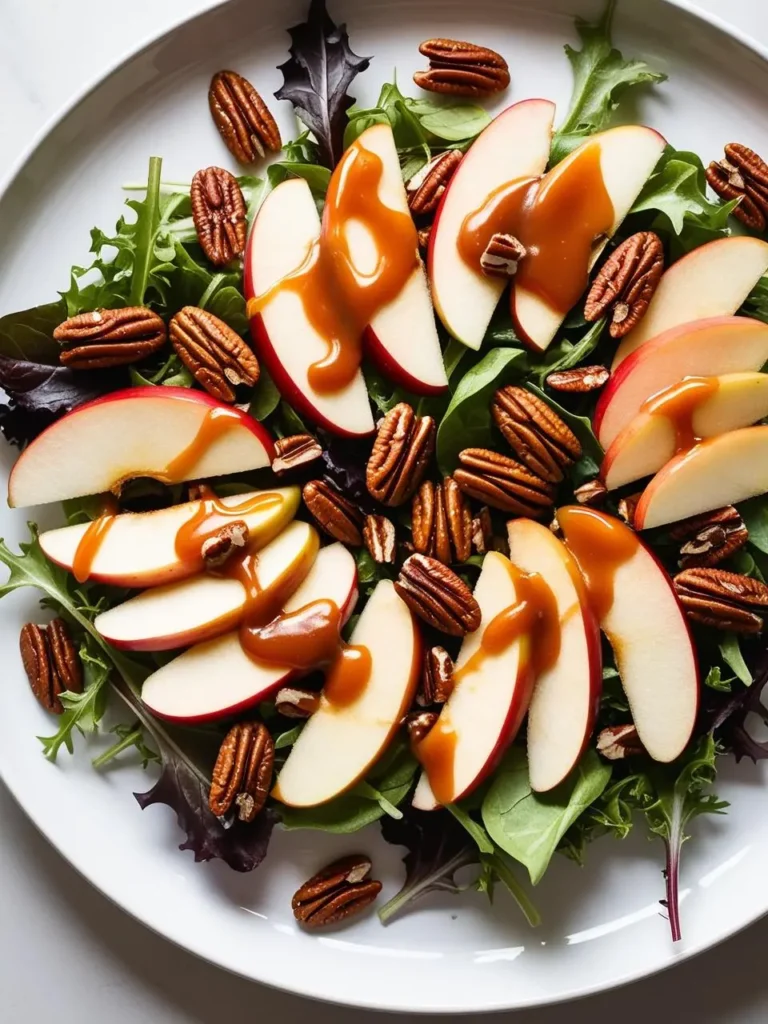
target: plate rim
<point>7,182</point>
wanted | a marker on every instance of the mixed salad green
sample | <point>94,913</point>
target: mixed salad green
<point>152,257</point>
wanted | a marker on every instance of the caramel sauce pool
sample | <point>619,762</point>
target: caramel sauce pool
<point>558,219</point>
<point>339,301</point>
<point>678,405</point>
<point>601,545</point>
<point>212,516</point>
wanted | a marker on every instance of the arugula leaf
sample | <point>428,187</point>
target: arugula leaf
<point>317,74</point>
<point>467,421</point>
<point>83,711</point>
<point>715,681</point>
<point>601,79</point>
<point>529,826</point>
<point>129,736</point>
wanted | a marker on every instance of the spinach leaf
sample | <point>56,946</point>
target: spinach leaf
<point>601,79</point>
<point>566,354</point>
<point>755,515</point>
<point>320,69</point>
<point>28,334</point>
<point>730,651</point>
<point>266,397</point>
<point>457,122</point>
<point>529,826</point>
<point>467,421</point>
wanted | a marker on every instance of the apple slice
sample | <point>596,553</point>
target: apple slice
<point>628,155</point>
<point>140,549</point>
<point>707,348</point>
<point>488,704</point>
<point>514,146</point>
<point>638,611</point>
<point>341,741</point>
<point>205,606</point>
<point>284,232</point>
<point>566,696</point>
<point>719,471</point>
<point>217,678</point>
<point>172,434</point>
<point>713,280</point>
<point>646,444</point>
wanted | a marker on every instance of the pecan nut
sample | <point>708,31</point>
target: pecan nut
<point>51,663</point>
<point>215,355</point>
<point>626,283</point>
<point>332,512</point>
<point>592,494</point>
<point>426,188</point>
<point>482,531</point>
<point>418,724</point>
<point>708,539</point>
<point>242,117</point>
<point>438,596</point>
<point>722,600</point>
<point>295,702</point>
<point>442,522</point>
<point>294,451</point>
<point>218,210</point>
<point>462,69</point>
<point>580,380</point>
<point>502,483</point>
<point>339,891</point>
<point>242,775</point>
<point>502,256</point>
<point>436,678</point>
<point>424,236</point>
<point>219,548</point>
<point>110,337</point>
<point>379,537</point>
<point>401,452</point>
<point>619,741</point>
<point>627,507</point>
<point>742,175</point>
<point>534,431</point>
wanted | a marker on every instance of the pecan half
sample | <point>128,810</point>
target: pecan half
<point>580,379</point>
<point>619,741</point>
<point>218,210</point>
<point>442,522</point>
<point>710,538</point>
<point>242,117</point>
<point>424,235</point>
<point>626,283</point>
<point>418,724</point>
<point>742,175</point>
<point>339,891</point>
<point>294,451</point>
<point>502,483</point>
<point>242,774</point>
<point>295,702</point>
<point>401,452</point>
<point>627,507</point>
<point>534,431</point>
<point>436,678</point>
<point>502,256</point>
<point>110,337</point>
<point>438,596</point>
<point>332,512</point>
<point>379,537</point>
<point>462,69</point>
<point>722,600</point>
<point>215,355</point>
<point>219,548</point>
<point>482,531</point>
<point>426,187</point>
<point>592,493</point>
<point>51,663</point>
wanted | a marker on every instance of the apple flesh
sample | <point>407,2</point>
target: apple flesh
<point>215,679</point>
<point>707,348</point>
<point>719,471</point>
<point>486,708</point>
<point>139,549</point>
<point>515,145</point>
<point>713,280</point>
<point>566,695</point>
<point>132,433</point>
<point>646,444</point>
<point>205,606</point>
<point>284,232</point>
<point>339,744</point>
<point>645,626</point>
<point>628,155</point>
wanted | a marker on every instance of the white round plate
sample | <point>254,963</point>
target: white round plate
<point>602,924</point>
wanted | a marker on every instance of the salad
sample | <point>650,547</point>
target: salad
<point>418,479</point>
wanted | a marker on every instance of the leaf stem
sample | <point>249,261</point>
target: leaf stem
<point>146,231</point>
<point>129,740</point>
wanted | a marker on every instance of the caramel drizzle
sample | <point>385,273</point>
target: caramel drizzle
<point>601,545</point>
<point>678,405</point>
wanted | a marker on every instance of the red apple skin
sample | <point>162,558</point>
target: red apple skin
<point>392,370</point>
<point>290,676</point>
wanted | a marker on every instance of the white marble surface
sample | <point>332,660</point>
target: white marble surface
<point>65,952</point>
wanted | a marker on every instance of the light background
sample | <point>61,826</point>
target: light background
<point>66,953</point>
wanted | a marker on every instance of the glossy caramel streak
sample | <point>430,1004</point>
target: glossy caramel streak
<point>678,404</point>
<point>348,676</point>
<point>303,640</point>
<point>212,515</point>
<point>89,545</point>
<point>601,545</point>
<point>217,422</point>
